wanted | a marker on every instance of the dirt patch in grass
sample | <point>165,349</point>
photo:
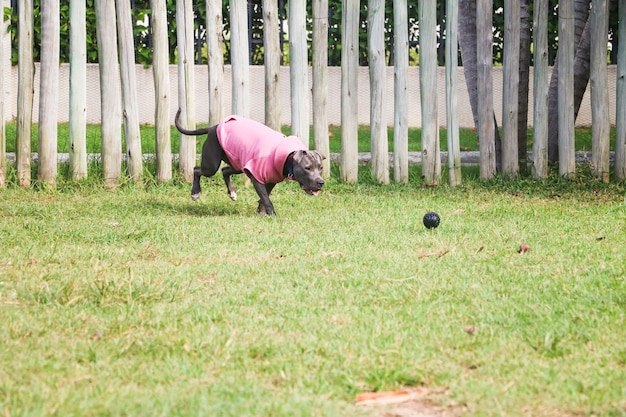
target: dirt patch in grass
<point>420,402</point>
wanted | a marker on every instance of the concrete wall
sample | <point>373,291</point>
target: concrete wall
<point>146,95</point>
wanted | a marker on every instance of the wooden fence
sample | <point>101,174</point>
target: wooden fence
<point>120,106</point>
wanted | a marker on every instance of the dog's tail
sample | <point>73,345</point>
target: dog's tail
<point>197,132</point>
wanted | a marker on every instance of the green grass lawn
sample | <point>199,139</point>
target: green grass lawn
<point>140,302</point>
<point>467,138</point>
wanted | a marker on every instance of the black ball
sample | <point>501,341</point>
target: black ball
<point>431,220</point>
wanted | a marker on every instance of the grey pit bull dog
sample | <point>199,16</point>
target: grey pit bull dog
<point>267,157</point>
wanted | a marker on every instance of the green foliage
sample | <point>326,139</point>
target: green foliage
<point>143,37</point>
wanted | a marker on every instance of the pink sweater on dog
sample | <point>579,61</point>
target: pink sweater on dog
<point>256,149</point>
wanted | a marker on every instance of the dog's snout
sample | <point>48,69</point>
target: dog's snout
<point>320,183</point>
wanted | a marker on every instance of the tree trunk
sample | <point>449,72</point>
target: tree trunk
<point>468,45</point>
<point>298,68</point>
<point>377,70</point>
<point>160,67</point>
<point>239,57</point>
<point>524,74</point>
<point>349,90</point>
<point>486,125</point>
<point>510,99</point>
<point>540,87</point>
<point>215,58</point>
<point>78,90</point>
<point>128,78</point>
<point>431,157</point>
<point>25,91</point>
<point>601,127</point>
<point>110,102</point>
<point>186,86</point>
<point>49,91</point>
<point>320,81</point>
<point>401,99</point>
<point>452,50</point>
<point>271,44</point>
<point>567,162</point>
<point>620,128</point>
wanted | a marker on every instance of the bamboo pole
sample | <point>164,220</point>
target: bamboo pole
<point>160,67</point>
<point>298,69</point>
<point>78,90</point>
<point>320,82</point>
<point>349,90</point>
<point>452,123</point>
<point>215,59</point>
<point>186,86</point>
<point>401,99</point>
<point>25,90</point>
<point>540,88</point>
<point>600,126</point>
<point>431,157</point>
<point>510,97</point>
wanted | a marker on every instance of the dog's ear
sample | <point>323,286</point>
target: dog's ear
<point>297,156</point>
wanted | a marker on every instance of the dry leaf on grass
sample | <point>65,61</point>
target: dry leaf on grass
<point>389,397</point>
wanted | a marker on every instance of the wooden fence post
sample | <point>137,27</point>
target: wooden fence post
<point>400,99</point>
<point>320,81</point>
<point>271,43</point>
<point>25,91</point>
<point>239,57</point>
<point>567,157</point>
<point>298,68</point>
<point>215,58</point>
<point>510,97</point>
<point>3,136</point>
<point>109,96</point>
<point>452,50</point>
<point>78,90</point>
<point>377,71</point>
<point>160,67</point>
<point>540,87</point>
<point>620,122</point>
<point>431,156</point>
<point>486,125</point>
<point>349,90</point>
<point>128,78</point>
<point>600,126</point>
<point>186,86</point>
<point>49,92</point>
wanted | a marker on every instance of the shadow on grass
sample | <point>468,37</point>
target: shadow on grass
<point>202,209</point>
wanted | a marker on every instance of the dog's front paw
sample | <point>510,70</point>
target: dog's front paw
<point>268,211</point>
<point>233,195</point>
<point>194,197</point>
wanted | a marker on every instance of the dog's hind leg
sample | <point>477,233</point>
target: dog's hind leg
<point>210,162</point>
<point>195,188</point>
<point>227,171</point>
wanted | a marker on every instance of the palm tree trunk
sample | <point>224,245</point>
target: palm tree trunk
<point>582,38</point>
